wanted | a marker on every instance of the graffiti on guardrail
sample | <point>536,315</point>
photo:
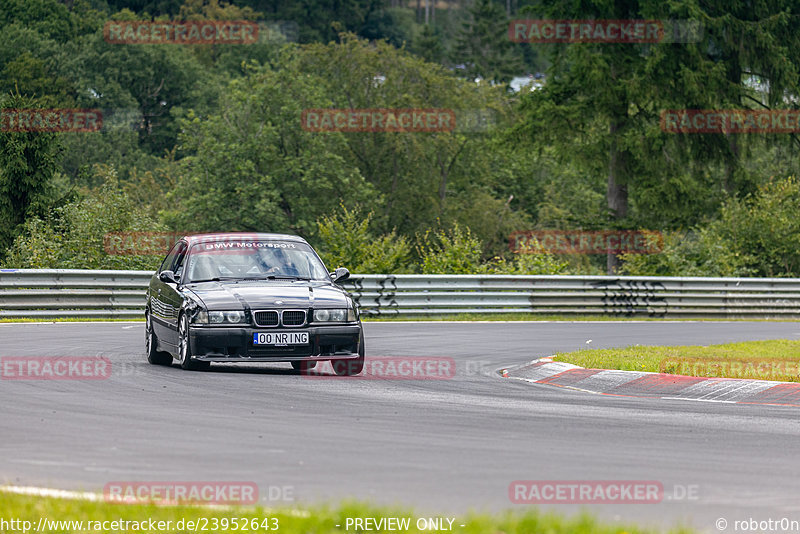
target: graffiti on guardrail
<point>354,287</point>
<point>628,297</point>
<point>387,295</point>
<point>385,301</point>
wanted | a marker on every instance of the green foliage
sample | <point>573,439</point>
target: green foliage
<point>209,137</point>
<point>71,236</point>
<point>348,240</point>
<point>51,18</point>
<point>763,229</point>
<point>483,44</point>
<point>533,260</point>
<point>453,251</point>
<point>755,236</point>
<point>253,159</point>
<point>428,45</point>
<point>395,26</point>
<point>28,162</point>
<point>421,176</point>
<point>694,253</point>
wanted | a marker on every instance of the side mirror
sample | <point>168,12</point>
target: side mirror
<point>168,277</point>
<point>340,275</point>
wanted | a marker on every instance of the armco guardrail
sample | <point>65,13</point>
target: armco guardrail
<point>77,293</point>
<point>120,294</point>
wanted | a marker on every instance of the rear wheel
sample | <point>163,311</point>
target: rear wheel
<point>185,349</point>
<point>154,356</point>
<point>350,367</point>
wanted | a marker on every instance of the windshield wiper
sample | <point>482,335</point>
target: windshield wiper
<point>215,279</point>
<point>284,277</point>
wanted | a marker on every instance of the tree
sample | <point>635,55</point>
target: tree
<point>253,158</point>
<point>28,162</point>
<point>483,46</point>
<point>428,45</point>
<point>758,235</point>
<point>349,240</point>
<point>450,174</point>
<point>72,236</point>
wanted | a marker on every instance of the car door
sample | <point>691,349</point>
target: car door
<point>165,300</point>
<point>172,296</point>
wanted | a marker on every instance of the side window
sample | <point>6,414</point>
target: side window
<point>180,260</point>
<point>170,259</point>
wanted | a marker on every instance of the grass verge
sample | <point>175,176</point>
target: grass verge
<point>763,360</point>
<point>318,519</point>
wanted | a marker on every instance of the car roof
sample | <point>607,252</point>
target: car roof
<point>239,236</point>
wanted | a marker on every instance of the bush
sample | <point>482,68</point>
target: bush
<point>755,236</point>
<point>694,253</point>
<point>71,236</point>
<point>533,260</point>
<point>348,241</point>
<point>455,251</point>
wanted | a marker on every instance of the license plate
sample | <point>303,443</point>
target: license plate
<point>280,339</point>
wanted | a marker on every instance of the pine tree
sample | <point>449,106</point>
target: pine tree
<point>483,46</point>
<point>428,45</point>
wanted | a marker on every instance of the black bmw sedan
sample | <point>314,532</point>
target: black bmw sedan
<point>244,297</point>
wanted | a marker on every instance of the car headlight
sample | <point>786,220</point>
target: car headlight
<point>220,317</point>
<point>341,315</point>
<point>236,316</point>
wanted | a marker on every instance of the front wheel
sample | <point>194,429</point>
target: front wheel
<point>350,367</point>
<point>185,349</point>
<point>154,356</point>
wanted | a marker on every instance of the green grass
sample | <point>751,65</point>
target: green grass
<point>317,519</point>
<point>764,360</point>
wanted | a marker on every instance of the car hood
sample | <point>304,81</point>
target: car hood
<point>232,295</point>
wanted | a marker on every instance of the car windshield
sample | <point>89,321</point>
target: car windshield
<point>257,260</point>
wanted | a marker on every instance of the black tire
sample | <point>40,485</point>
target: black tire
<point>350,367</point>
<point>303,367</point>
<point>154,356</point>
<point>185,349</point>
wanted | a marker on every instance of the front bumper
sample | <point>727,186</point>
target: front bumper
<point>235,344</point>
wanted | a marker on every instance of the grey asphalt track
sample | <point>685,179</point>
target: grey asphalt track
<point>441,446</point>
